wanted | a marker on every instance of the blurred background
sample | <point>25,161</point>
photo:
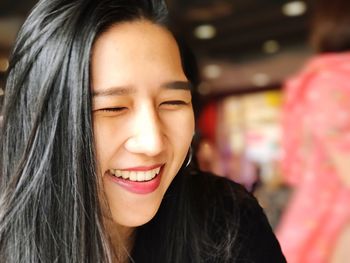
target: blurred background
<point>246,51</point>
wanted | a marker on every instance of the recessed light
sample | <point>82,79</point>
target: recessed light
<point>205,31</point>
<point>294,8</point>
<point>212,71</point>
<point>271,46</point>
<point>260,79</point>
<point>4,64</point>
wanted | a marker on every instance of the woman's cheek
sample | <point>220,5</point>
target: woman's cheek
<point>105,140</point>
<point>180,126</point>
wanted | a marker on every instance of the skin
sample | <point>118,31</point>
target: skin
<point>340,253</point>
<point>341,163</point>
<point>137,76</point>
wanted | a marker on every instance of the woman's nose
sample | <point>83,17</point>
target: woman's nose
<point>146,134</point>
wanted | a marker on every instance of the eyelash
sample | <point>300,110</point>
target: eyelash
<point>116,109</point>
<point>175,102</point>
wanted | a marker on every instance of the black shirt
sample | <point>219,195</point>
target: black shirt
<point>206,218</point>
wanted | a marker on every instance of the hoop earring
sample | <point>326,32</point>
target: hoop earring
<point>189,158</point>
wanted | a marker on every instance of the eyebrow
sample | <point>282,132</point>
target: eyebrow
<point>120,91</point>
<point>182,85</point>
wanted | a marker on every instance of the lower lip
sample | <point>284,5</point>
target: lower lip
<point>145,187</point>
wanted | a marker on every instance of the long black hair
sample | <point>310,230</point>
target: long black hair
<point>49,205</point>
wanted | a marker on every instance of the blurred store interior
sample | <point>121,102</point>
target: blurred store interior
<point>245,51</point>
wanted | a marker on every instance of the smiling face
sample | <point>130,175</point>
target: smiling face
<point>142,116</point>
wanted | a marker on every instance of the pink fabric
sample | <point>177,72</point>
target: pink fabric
<point>316,115</point>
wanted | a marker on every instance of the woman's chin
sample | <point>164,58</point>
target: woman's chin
<point>135,220</point>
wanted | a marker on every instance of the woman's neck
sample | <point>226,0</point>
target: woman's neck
<point>122,240</point>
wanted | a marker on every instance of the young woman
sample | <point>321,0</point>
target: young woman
<point>95,143</point>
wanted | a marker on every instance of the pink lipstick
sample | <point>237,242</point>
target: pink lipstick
<point>138,187</point>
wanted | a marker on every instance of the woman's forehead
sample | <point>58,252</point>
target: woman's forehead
<point>134,54</point>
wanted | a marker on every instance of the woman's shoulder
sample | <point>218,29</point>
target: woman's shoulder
<point>232,208</point>
<point>213,191</point>
<point>215,188</point>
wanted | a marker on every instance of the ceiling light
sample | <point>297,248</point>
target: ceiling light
<point>260,79</point>
<point>4,64</point>
<point>294,8</point>
<point>205,31</point>
<point>212,71</point>
<point>271,46</point>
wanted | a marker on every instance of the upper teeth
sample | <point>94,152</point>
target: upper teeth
<point>136,175</point>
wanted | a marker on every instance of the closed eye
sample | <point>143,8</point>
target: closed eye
<point>175,102</point>
<point>114,109</point>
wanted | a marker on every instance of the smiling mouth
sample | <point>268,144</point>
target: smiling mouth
<point>136,176</point>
